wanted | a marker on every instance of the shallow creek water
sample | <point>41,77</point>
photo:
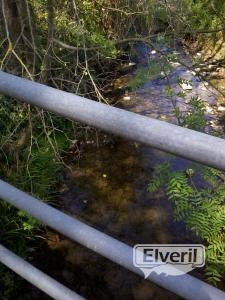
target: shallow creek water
<point>108,190</point>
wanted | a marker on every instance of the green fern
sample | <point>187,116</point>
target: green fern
<point>202,210</point>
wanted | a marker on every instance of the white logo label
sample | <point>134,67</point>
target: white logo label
<point>168,259</point>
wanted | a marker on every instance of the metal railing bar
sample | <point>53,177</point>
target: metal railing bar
<point>42,281</point>
<point>193,145</point>
<point>185,286</point>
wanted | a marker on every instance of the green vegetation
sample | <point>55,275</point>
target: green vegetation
<point>66,44</point>
<point>30,159</point>
<point>202,210</point>
<point>195,117</point>
<point>77,46</point>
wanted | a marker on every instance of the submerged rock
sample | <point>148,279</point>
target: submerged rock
<point>186,86</point>
<point>221,108</point>
<point>126,98</point>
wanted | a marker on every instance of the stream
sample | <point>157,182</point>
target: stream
<point>108,190</point>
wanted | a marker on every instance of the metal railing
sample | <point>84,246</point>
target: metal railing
<point>184,142</point>
<point>168,137</point>
<point>36,277</point>
<point>186,286</point>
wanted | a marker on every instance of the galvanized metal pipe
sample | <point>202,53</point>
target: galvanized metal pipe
<point>185,286</point>
<point>196,146</point>
<point>42,281</point>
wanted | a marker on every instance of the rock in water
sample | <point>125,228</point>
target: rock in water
<point>186,86</point>
<point>221,108</point>
<point>126,98</point>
